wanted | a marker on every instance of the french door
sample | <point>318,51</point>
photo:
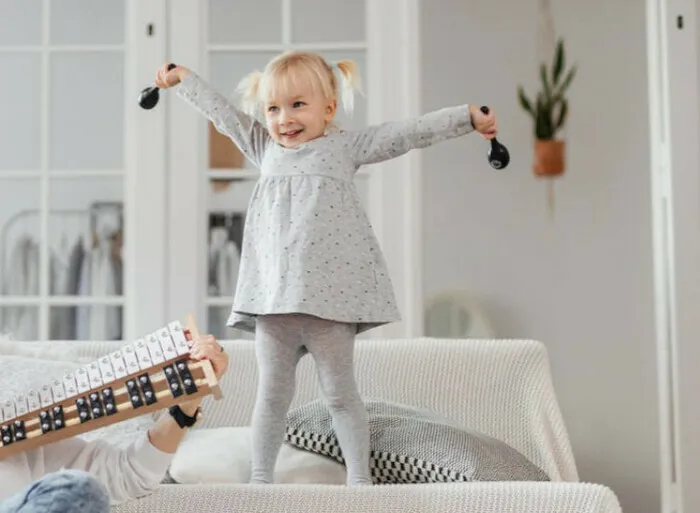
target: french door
<point>63,159</point>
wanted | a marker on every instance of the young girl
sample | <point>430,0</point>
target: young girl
<point>312,274</point>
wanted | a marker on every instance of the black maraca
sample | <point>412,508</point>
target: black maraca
<point>498,154</point>
<point>150,95</point>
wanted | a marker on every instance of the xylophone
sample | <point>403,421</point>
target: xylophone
<point>153,373</point>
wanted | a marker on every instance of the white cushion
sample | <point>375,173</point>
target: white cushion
<point>223,455</point>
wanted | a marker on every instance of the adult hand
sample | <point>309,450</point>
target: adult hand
<point>207,347</point>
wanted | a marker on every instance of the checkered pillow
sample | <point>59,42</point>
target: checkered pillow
<point>409,445</point>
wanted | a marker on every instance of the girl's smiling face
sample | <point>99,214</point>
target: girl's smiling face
<point>296,112</point>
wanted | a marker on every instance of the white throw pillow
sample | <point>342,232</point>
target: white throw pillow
<point>223,455</point>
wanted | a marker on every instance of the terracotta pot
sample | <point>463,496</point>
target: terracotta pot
<point>549,157</point>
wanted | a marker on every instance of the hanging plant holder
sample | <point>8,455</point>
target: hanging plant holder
<point>549,114</point>
<point>550,158</point>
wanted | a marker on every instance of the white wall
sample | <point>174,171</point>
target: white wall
<point>581,282</point>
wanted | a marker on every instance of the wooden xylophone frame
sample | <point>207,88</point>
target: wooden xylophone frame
<point>172,381</point>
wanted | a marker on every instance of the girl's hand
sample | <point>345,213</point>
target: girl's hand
<point>485,124</point>
<point>166,79</point>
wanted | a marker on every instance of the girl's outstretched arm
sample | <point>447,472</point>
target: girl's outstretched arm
<point>394,138</point>
<point>246,132</point>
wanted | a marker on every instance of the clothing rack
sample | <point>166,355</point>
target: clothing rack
<point>93,212</point>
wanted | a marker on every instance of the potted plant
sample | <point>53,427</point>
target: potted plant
<point>549,114</point>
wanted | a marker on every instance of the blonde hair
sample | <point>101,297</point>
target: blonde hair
<point>294,69</point>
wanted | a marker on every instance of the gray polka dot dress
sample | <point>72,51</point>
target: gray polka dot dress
<point>308,246</point>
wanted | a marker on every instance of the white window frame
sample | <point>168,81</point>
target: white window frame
<point>675,196</point>
<point>394,71</point>
<point>393,93</point>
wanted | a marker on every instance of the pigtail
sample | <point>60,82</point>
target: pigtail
<point>349,83</point>
<point>248,90</point>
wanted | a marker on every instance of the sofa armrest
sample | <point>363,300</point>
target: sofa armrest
<point>502,497</point>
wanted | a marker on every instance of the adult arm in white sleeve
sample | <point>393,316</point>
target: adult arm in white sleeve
<point>129,471</point>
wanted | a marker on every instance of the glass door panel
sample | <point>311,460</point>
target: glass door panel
<point>240,22</point>
<point>20,23</point>
<point>20,254</point>
<point>86,110</point>
<point>320,22</point>
<point>20,104</point>
<point>87,22</point>
<point>62,145</point>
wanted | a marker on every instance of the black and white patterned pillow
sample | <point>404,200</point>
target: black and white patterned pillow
<point>410,445</point>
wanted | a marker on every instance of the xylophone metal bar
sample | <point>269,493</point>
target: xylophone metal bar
<point>116,388</point>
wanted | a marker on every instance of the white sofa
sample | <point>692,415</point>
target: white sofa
<point>499,387</point>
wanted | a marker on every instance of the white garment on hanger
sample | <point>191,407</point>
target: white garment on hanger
<point>58,274</point>
<point>60,259</point>
<point>82,318</point>
<point>22,279</point>
<point>99,322</point>
<point>98,318</point>
<point>104,319</point>
<point>227,272</point>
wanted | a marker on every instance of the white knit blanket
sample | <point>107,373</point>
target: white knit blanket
<point>501,388</point>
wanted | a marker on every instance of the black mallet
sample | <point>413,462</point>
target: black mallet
<point>150,95</point>
<point>498,154</point>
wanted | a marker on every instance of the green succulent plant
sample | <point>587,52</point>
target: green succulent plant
<point>550,110</point>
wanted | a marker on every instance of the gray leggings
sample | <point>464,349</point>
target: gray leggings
<point>281,341</point>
